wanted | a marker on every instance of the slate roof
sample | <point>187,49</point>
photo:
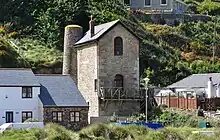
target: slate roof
<point>59,91</point>
<point>196,81</point>
<point>17,77</point>
<point>99,31</point>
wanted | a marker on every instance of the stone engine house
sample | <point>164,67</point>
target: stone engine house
<point>104,63</point>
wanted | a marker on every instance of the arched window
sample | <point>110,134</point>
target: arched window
<point>118,80</point>
<point>118,46</point>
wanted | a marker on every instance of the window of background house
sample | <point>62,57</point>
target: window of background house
<point>74,116</point>
<point>58,116</point>
<point>26,115</point>
<point>26,92</point>
<point>147,2</point>
<point>118,46</point>
<point>163,2</point>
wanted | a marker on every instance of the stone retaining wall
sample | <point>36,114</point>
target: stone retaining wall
<point>75,126</point>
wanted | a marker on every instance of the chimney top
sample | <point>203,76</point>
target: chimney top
<point>91,18</point>
<point>91,26</point>
<point>210,78</point>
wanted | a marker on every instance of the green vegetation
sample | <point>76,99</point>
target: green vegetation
<point>35,29</point>
<point>184,118</point>
<point>106,131</point>
<point>175,117</point>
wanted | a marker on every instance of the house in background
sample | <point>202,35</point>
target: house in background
<point>167,6</point>
<point>46,98</point>
<point>207,84</point>
<point>193,92</point>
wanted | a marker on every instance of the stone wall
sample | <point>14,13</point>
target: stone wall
<point>170,18</point>
<point>120,108</point>
<point>66,117</point>
<point>96,60</point>
<point>126,65</point>
<point>87,73</point>
<point>48,71</point>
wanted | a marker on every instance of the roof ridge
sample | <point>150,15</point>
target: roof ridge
<point>107,23</point>
<point>15,69</point>
<point>205,73</point>
<point>52,74</point>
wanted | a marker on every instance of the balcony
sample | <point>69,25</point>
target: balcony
<point>118,93</point>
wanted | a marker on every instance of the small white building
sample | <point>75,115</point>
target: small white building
<point>45,98</point>
<point>199,84</point>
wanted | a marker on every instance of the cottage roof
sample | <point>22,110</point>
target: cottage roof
<point>99,31</point>
<point>17,77</point>
<point>196,81</point>
<point>59,91</point>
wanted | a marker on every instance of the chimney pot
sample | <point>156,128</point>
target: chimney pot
<point>210,78</point>
<point>91,26</point>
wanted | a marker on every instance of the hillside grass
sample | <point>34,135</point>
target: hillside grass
<point>38,54</point>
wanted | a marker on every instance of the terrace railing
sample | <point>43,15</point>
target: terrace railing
<point>118,93</point>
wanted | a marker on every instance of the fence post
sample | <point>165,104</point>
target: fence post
<point>186,101</point>
<point>161,98</point>
<point>178,100</point>
<point>169,101</point>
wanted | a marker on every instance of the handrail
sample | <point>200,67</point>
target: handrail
<point>119,93</point>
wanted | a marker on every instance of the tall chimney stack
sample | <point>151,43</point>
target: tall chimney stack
<point>72,34</point>
<point>91,26</point>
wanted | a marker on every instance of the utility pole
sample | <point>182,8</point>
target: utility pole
<point>146,80</point>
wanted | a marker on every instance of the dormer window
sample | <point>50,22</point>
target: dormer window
<point>26,92</point>
<point>118,46</point>
<point>163,2</point>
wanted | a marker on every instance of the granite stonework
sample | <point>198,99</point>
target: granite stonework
<point>75,126</point>
<point>96,60</point>
<point>87,73</point>
<point>126,64</point>
<point>120,108</point>
<point>72,34</point>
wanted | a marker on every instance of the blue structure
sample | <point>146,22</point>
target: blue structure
<point>147,125</point>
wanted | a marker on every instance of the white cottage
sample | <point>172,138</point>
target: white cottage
<point>46,98</point>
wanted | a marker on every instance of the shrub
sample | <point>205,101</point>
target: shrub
<point>31,120</point>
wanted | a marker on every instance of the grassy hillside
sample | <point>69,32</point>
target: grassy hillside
<point>35,29</point>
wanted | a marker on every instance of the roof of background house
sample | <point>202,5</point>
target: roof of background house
<point>59,91</point>
<point>99,31</point>
<point>17,77</point>
<point>196,81</point>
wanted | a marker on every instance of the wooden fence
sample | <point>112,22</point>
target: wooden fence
<point>177,102</point>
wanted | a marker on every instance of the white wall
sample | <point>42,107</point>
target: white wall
<point>15,103</point>
<point>199,91</point>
